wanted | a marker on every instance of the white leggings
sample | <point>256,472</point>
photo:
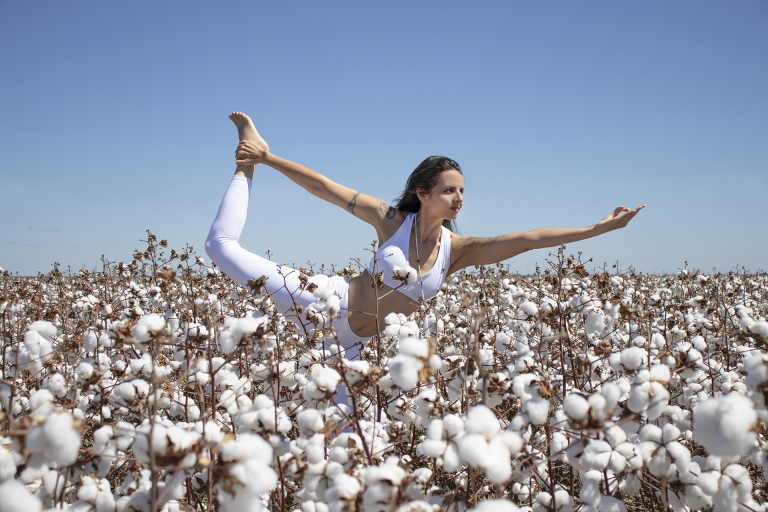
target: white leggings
<point>282,282</point>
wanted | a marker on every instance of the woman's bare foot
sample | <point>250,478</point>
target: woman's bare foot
<point>247,132</point>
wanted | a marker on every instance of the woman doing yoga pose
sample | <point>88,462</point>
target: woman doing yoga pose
<point>417,231</point>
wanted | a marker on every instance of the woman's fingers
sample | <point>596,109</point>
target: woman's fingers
<point>620,217</point>
<point>619,210</point>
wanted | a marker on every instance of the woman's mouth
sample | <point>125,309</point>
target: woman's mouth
<point>455,209</point>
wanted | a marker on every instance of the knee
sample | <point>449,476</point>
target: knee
<point>213,249</point>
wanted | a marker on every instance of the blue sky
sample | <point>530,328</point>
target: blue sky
<point>113,120</point>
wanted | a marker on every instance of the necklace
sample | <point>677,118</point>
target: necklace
<point>418,261</point>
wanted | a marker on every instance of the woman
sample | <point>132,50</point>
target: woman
<point>417,232</point>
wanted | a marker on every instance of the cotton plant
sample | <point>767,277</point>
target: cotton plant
<point>647,387</point>
<point>487,446</point>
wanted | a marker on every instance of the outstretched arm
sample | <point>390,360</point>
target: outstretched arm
<point>367,208</point>
<point>468,251</point>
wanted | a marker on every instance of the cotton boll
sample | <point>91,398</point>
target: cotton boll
<point>590,492</point>
<point>418,506</point>
<point>415,347</point>
<point>659,400</point>
<point>724,425</point>
<point>407,272</point>
<point>611,504</point>
<point>433,447</point>
<point>44,328</point>
<point>611,392</point>
<point>502,341</point>
<point>391,318</point>
<point>513,441</point>
<point>660,373</point>
<point>633,358</point>
<point>615,436</point>
<point>474,450</point>
<point>699,343</point>
<point>598,406</point>
<point>333,305</point>
<point>759,329</point>
<point>14,497</point>
<point>453,425</point>
<point>90,341</point>
<point>576,407</point>
<point>495,506</point>
<point>7,465</point>
<point>56,384</point>
<point>148,326</point>
<point>537,410</point>
<point>324,383</point>
<point>595,322</point>
<point>56,440</point>
<point>41,403</point>
<point>311,419</point>
<point>481,420</point>
<point>529,308</point>
<point>33,341</point>
<point>322,293</point>
<point>405,371</point>
<point>84,371</point>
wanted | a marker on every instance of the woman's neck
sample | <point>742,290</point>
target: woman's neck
<point>428,229</point>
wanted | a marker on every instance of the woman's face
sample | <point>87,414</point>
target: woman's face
<point>446,198</point>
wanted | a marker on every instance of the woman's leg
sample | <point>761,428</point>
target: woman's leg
<point>222,244</point>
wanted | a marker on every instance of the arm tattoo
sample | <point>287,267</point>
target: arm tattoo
<point>352,203</point>
<point>387,211</point>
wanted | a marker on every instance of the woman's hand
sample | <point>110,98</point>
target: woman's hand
<point>249,153</point>
<point>618,218</point>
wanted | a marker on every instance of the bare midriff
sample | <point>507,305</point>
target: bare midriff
<point>363,299</point>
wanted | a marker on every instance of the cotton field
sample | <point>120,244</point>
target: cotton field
<point>158,384</point>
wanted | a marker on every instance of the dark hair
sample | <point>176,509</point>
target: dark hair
<point>425,176</point>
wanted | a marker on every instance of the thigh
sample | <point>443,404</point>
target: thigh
<point>282,284</point>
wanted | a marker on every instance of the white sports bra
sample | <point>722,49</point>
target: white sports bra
<point>394,253</point>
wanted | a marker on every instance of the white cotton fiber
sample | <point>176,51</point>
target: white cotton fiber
<point>412,346</point>
<point>333,305</point>
<point>7,465</point>
<point>725,425</point>
<point>759,329</point>
<point>311,419</point>
<point>322,293</point>
<point>611,504</point>
<point>473,449</point>
<point>407,272</point>
<point>56,440</point>
<point>576,407</point>
<point>41,403</point>
<point>633,358</point>
<point>14,497</point>
<point>529,308</point>
<point>90,341</point>
<point>537,410</point>
<point>595,322</point>
<point>660,373</point>
<point>404,371</point>
<point>482,420</point>
<point>45,328</point>
<point>495,506</point>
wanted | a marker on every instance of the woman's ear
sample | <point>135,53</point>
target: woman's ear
<point>421,194</point>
